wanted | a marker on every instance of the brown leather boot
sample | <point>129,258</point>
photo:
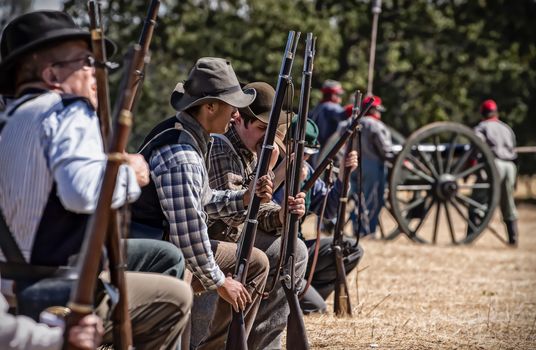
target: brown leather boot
<point>511,227</point>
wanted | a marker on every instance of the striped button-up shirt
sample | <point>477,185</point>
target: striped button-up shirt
<point>181,181</point>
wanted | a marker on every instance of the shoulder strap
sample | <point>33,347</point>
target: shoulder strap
<point>7,243</point>
<point>168,132</point>
<point>16,268</point>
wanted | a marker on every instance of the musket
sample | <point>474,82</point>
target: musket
<point>144,42</point>
<point>296,333</point>
<point>376,10</point>
<point>122,328</point>
<point>236,336</point>
<point>347,133</point>
<point>341,304</point>
<point>82,295</point>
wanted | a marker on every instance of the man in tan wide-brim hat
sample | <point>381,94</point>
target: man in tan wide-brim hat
<point>179,199</point>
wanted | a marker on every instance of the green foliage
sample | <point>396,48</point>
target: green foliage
<point>435,59</point>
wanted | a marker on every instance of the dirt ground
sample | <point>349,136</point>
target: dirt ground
<point>410,296</point>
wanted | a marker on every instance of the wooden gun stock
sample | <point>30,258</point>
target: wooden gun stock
<point>81,301</point>
<point>341,304</point>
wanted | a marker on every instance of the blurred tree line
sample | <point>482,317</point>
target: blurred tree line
<point>435,59</point>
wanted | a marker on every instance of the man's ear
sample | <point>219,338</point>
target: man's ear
<point>50,77</point>
<point>238,119</point>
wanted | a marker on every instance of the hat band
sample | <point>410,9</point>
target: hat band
<point>218,92</point>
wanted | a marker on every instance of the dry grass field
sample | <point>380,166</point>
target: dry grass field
<point>410,296</point>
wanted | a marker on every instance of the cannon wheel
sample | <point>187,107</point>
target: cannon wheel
<point>444,169</point>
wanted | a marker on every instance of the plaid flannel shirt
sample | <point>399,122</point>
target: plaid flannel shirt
<point>233,168</point>
<point>181,181</point>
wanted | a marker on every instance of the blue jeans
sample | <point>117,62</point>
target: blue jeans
<point>143,255</point>
<point>374,178</point>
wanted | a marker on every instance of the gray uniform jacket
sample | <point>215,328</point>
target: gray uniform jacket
<point>499,137</point>
<point>375,139</point>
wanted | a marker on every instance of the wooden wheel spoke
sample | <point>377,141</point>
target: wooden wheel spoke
<point>425,216</point>
<point>471,202</point>
<point>469,171</point>
<point>463,159</point>
<point>428,163</point>
<point>482,185</point>
<point>450,156</point>
<point>414,204</point>
<point>439,158</point>
<point>420,165</point>
<point>419,173</point>
<point>451,227</point>
<point>413,187</point>
<point>436,223</point>
<point>470,223</point>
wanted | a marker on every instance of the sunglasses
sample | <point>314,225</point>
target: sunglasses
<point>88,61</point>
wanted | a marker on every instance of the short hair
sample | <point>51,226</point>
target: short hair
<point>247,119</point>
<point>30,66</point>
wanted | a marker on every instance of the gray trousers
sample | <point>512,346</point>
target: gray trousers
<point>272,314</point>
<point>507,174</point>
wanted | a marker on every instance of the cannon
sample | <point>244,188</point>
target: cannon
<point>444,174</point>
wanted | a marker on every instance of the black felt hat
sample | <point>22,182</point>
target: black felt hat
<point>31,31</point>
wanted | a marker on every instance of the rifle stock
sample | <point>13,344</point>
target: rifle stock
<point>341,304</point>
<point>122,327</point>
<point>237,336</point>
<point>81,300</point>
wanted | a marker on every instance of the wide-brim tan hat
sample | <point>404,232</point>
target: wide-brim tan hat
<point>211,79</point>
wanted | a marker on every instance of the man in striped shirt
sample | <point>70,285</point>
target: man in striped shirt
<point>51,170</point>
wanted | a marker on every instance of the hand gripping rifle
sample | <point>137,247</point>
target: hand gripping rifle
<point>81,301</point>
<point>348,132</point>
<point>236,336</point>
<point>341,303</point>
<point>296,333</point>
<point>122,328</point>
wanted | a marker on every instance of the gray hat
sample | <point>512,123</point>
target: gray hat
<point>211,79</point>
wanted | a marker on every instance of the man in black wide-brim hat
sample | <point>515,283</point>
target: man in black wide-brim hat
<point>51,169</point>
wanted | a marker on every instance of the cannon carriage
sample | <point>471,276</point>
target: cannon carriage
<point>445,175</point>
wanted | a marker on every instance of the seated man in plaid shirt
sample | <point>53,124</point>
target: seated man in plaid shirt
<point>233,161</point>
<point>179,200</point>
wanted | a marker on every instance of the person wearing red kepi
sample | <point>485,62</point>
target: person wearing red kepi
<point>502,141</point>
<point>376,151</point>
<point>328,113</point>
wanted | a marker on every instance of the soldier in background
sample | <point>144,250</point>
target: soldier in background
<point>328,113</point>
<point>376,151</point>
<point>502,141</point>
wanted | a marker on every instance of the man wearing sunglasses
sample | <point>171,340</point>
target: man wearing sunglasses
<point>51,169</point>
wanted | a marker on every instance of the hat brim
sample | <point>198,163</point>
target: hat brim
<point>310,150</point>
<point>7,71</point>
<point>181,100</point>
<point>380,108</point>
<point>265,117</point>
